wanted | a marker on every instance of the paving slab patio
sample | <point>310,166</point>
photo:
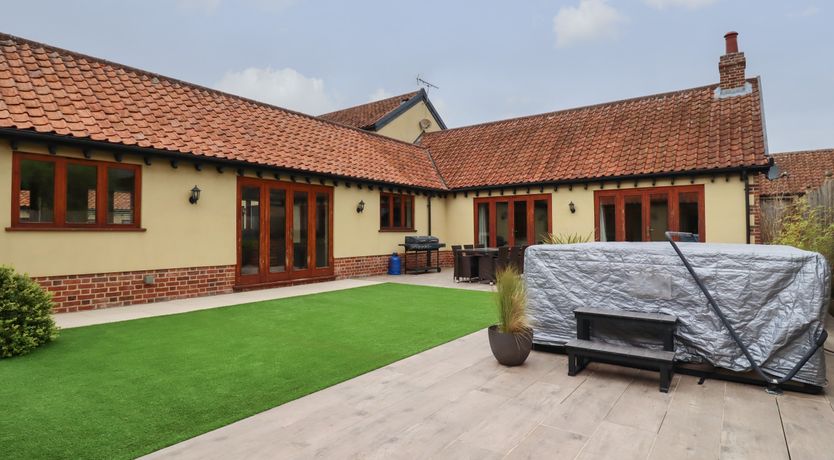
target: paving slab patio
<point>455,401</point>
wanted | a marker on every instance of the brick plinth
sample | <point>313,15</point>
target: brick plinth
<point>348,267</point>
<point>103,290</point>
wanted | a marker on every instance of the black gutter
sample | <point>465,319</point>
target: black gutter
<point>428,204</point>
<point>48,138</point>
<point>746,204</point>
<point>623,178</point>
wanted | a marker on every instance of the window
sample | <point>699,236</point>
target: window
<point>512,220</point>
<point>647,214</point>
<point>396,212</point>
<point>58,192</point>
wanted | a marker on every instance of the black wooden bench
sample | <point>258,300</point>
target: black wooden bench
<point>583,350</point>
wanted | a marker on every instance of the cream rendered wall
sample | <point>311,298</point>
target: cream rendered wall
<point>178,234</point>
<point>724,209</point>
<point>458,219</point>
<point>406,127</point>
<point>358,234</point>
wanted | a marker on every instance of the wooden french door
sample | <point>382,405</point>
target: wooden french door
<point>646,214</point>
<point>284,231</point>
<point>518,220</point>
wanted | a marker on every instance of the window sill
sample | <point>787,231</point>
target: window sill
<point>397,230</point>
<point>74,229</point>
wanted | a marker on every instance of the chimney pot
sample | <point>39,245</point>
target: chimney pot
<point>731,39</point>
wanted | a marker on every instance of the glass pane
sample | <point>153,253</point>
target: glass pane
<point>81,194</point>
<point>540,220</point>
<point>384,211</point>
<point>397,211</point>
<point>322,229</point>
<point>520,223</point>
<point>120,195</point>
<point>658,217</point>
<point>37,191</point>
<point>277,230</point>
<point>607,223</point>
<point>409,211</point>
<point>299,230</point>
<point>483,224</point>
<point>502,223</point>
<point>634,218</point>
<point>250,228</point>
<point>688,216</point>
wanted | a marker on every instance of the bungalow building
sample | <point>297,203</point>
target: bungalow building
<point>120,186</point>
<point>797,173</point>
<point>794,175</point>
<point>405,117</point>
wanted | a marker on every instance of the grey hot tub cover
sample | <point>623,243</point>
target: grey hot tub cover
<point>775,296</point>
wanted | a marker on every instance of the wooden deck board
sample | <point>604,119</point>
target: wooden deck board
<point>752,427</point>
<point>693,422</point>
<point>586,407</point>
<point>809,426</point>
<point>612,441</point>
<point>455,401</point>
<point>642,406</point>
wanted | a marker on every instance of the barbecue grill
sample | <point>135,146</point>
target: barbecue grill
<point>422,244</point>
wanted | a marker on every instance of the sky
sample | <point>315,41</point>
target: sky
<point>489,59</point>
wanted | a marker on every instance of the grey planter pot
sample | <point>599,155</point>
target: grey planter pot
<point>510,349</point>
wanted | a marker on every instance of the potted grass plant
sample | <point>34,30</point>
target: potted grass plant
<point>512,338</point>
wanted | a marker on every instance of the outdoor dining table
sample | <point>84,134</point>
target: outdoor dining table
<point>486,262</point>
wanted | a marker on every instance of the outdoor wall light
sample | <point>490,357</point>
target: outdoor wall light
<point>572,207</point>
<point>360,206</point>
<point>195,195</point>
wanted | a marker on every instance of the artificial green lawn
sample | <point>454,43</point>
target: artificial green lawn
<point>124,389</point>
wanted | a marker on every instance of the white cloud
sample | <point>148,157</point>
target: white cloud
<point>591,20</point>
<point>379,94</point>
<point>282,87</point>
<point>690,4</point>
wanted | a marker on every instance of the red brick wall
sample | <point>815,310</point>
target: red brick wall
<point>348,267</point>
<point>755,207</point>
<point>731,70</point>
<point>103,290</point>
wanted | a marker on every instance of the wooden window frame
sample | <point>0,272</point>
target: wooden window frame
<point>290,274</point>
<point>672,193</point>
<point>510,199</point>
<point>60,198</point>
<point>404,198</point>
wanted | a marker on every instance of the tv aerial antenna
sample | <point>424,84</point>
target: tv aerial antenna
<point>425,84</point>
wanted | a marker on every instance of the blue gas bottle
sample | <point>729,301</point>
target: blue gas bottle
<point>394,264</point>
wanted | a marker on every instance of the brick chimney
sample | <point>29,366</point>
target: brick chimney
<point>731,65</point>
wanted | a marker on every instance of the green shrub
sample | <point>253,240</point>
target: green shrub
<point>25,314</point>
<point>805,227</point>
<point>571,238</point>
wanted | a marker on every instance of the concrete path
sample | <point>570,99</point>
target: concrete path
<point>112,315</point>
<point>442,279</point>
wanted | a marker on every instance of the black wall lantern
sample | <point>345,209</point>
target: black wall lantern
<point>572,207</point>
<point>195,195</point>
<point>360,206</point>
